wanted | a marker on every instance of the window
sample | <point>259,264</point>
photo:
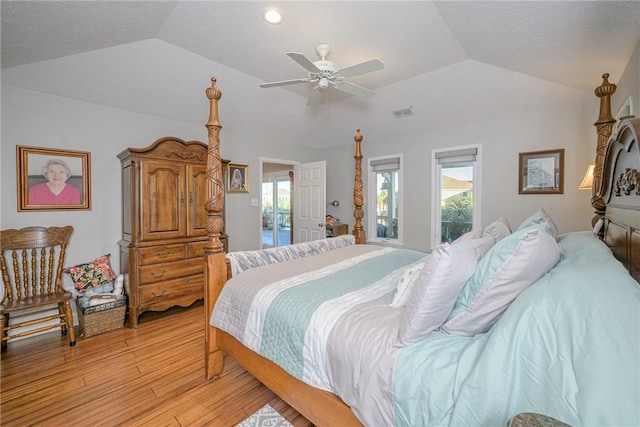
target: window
<point>385,192</point>
<point>456,192</point>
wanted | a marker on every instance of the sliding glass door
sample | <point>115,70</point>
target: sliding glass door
<point>276,212</point>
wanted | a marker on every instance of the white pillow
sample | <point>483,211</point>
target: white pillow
<point>473,234</point>
<point>435,290</point>
<point>511,266</point>
<point>541,217</point>
<point>498,229</point>
<point>405,285</point>
<point>480,245</point>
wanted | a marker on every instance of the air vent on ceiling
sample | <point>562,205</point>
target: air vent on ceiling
<point>403,112</point>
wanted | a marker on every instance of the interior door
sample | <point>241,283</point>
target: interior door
<point>310,209</point>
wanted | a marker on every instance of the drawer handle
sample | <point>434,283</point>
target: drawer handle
<point>163,254</point>
<point>153,273</point>
<point>156,294</point>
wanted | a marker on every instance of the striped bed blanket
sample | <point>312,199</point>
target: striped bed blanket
<point>286,311</point>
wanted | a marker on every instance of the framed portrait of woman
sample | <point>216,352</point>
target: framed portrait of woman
<point>238,178</point>
<point>53,179</point>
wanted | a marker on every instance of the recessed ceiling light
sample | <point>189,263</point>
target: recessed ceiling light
<point>273,16</point>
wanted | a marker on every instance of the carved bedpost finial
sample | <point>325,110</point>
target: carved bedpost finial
<point>358,198</point>
<point>215,190</point>
<point>604,128</point>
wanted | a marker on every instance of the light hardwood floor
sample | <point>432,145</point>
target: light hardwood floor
<point>150,376</point>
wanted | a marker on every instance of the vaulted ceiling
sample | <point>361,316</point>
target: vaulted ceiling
<point>450,61</point>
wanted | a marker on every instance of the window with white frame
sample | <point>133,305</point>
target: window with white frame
<point>456,192</point>
<point>385,194</point>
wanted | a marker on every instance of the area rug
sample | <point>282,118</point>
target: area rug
<point>265,417</point>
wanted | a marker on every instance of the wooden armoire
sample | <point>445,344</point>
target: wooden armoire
<point>164,224</point>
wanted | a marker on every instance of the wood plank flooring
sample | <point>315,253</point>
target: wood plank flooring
<point>149,376</point>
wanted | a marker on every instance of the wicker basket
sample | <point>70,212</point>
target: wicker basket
<point>101,318</point>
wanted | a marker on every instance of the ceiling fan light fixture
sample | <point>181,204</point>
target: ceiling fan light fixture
<point>273,16</point>
<point>323,83</point>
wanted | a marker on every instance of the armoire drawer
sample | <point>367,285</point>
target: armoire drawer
<point>196,249</point>
<point>173,289</point>
<point>171,270</point>
<point>162,254</point>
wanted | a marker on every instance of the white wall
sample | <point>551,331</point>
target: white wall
<point>36,119</point>
<point>629,84</point>
<point>39,120</point>
<point>502,140</point>
<point>244,222</point>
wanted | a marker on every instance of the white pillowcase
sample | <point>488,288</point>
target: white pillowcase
<point>470,235</point>
<point>498,229</point>
<point>541,217</point>
<point>405,285</point>
<point>435,290</point>
<point>510,267</point>
<point>479,245</point>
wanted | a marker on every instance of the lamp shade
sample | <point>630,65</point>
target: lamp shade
<point>587,181</point>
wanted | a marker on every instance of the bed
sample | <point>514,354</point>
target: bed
<point>472,333</point>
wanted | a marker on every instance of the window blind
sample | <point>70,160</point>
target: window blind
<point>390,163</point>
<point>456,156</point>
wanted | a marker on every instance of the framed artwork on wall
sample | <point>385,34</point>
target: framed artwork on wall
<point>542,172</point>
<point>238,178</point>
<point>51,179</point>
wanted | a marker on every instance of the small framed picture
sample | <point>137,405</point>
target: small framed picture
<point>238,178</point>
<point>542,172</point>
<point>50,179</point>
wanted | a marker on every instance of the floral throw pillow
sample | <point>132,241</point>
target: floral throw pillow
<point>92,274</point>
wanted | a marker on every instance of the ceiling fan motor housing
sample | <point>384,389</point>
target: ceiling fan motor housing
<point>328,70</point>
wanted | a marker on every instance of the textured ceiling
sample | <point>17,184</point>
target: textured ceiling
<point>451,61</point>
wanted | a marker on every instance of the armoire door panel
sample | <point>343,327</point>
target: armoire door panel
<point>163,200</point>
<point>197,194</point>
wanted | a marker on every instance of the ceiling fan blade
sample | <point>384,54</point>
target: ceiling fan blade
<point>362,68</point>
<point>284,82</point>
<point>304,62</point>
<point>314,96</point>
<point>353,89</point>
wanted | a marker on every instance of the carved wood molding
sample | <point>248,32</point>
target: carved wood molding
<point>184,155</point>
<point>628,181</point>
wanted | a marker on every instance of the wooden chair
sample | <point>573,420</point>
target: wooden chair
<point>33,280</point>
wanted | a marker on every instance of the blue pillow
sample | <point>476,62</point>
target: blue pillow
<point>540,217</point>
<point>510,266</point>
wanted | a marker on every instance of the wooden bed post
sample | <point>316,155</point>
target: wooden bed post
<point>358,198</point>
<point>215,273</point>
<point>604,128</point>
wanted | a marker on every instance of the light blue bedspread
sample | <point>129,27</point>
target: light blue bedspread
<point>568,347</point>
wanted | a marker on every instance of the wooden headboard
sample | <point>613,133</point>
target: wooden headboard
<point>616,184</point>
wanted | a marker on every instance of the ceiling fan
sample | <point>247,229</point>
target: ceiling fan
<point>325,74</point>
